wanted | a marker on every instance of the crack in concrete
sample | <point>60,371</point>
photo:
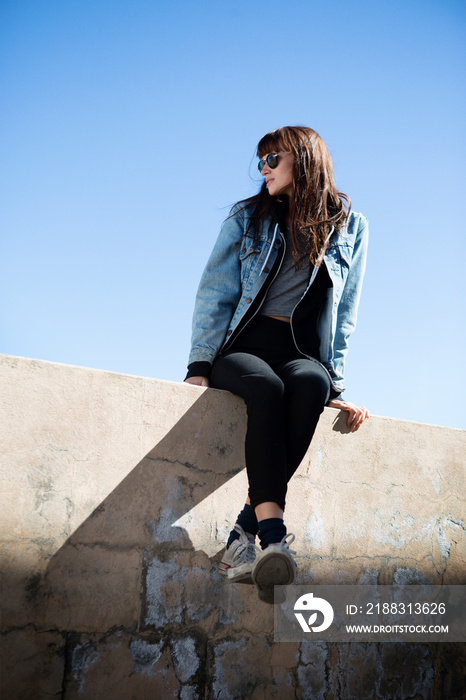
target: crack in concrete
<point>192,467</point>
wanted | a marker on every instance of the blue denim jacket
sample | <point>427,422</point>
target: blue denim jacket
<point>237,270</point>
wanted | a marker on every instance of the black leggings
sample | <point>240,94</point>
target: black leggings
<point>285,393</point>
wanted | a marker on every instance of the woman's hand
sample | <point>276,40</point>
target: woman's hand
<point>356,414</point>
<point>197,381</point>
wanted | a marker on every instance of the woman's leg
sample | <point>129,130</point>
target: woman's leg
<point>252,378</point>
<point>263,391</point>
<point>307,387</point>
<point>307,390</point>
<point>284,397</point>
<point>284,405</point>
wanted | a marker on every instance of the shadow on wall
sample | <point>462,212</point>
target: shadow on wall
<point>129,565</point>
<point>130,606</point>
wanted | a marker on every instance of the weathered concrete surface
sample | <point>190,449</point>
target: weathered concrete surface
<point>118,494</point>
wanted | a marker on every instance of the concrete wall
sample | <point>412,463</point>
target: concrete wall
<point>118,494</point>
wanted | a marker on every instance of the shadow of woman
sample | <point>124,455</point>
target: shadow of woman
<point>127,565</point>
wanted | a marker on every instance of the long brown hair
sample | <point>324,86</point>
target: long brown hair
<point>315,204</point>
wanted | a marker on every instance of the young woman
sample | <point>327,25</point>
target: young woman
<point>274,311</point>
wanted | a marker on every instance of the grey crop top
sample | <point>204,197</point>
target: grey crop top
<point>288,286</point>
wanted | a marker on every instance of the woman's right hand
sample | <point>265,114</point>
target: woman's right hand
<point>197,381</point>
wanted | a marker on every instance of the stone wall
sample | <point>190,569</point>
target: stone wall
<point>118,495</point>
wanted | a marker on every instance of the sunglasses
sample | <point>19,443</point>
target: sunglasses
<point>271,160</point>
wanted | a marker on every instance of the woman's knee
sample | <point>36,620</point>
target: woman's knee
<point>268,386</point>
<point>310,385</point>
<point>249,378</point>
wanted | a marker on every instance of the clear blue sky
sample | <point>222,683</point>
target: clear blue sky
<point>128,127</point>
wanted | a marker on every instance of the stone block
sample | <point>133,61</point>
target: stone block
<point>311,683</point>
<point>407,670</point>
<point>120,666</point>
<point>32,664</point>
<point>91,589</point>
<point>186,591</point>
<point>22,567</point>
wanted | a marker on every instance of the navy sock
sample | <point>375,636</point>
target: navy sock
<point>248,521</point>
<point>271,531</point>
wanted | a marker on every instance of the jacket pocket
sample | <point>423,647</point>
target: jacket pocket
<point>339,259</point>
<point>341,253</point>
<point>249,254</point>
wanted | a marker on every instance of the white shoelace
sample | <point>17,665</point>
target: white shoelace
<point>286,543</point>
<point>244,552</point>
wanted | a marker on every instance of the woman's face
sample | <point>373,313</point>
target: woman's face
<point>279,180</point>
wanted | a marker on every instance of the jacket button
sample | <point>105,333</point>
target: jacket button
<point>248,300</point>
<point>266,269</point>
<point>229,333</point>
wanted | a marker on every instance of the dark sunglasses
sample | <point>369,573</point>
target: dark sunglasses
<point>271,160</point>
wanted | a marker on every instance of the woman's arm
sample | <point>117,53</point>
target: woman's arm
<point>346,322</point>
<point>218,294</point>
<point>347,311</point>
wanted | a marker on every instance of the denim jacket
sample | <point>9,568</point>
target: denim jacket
<point>238,270</point>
